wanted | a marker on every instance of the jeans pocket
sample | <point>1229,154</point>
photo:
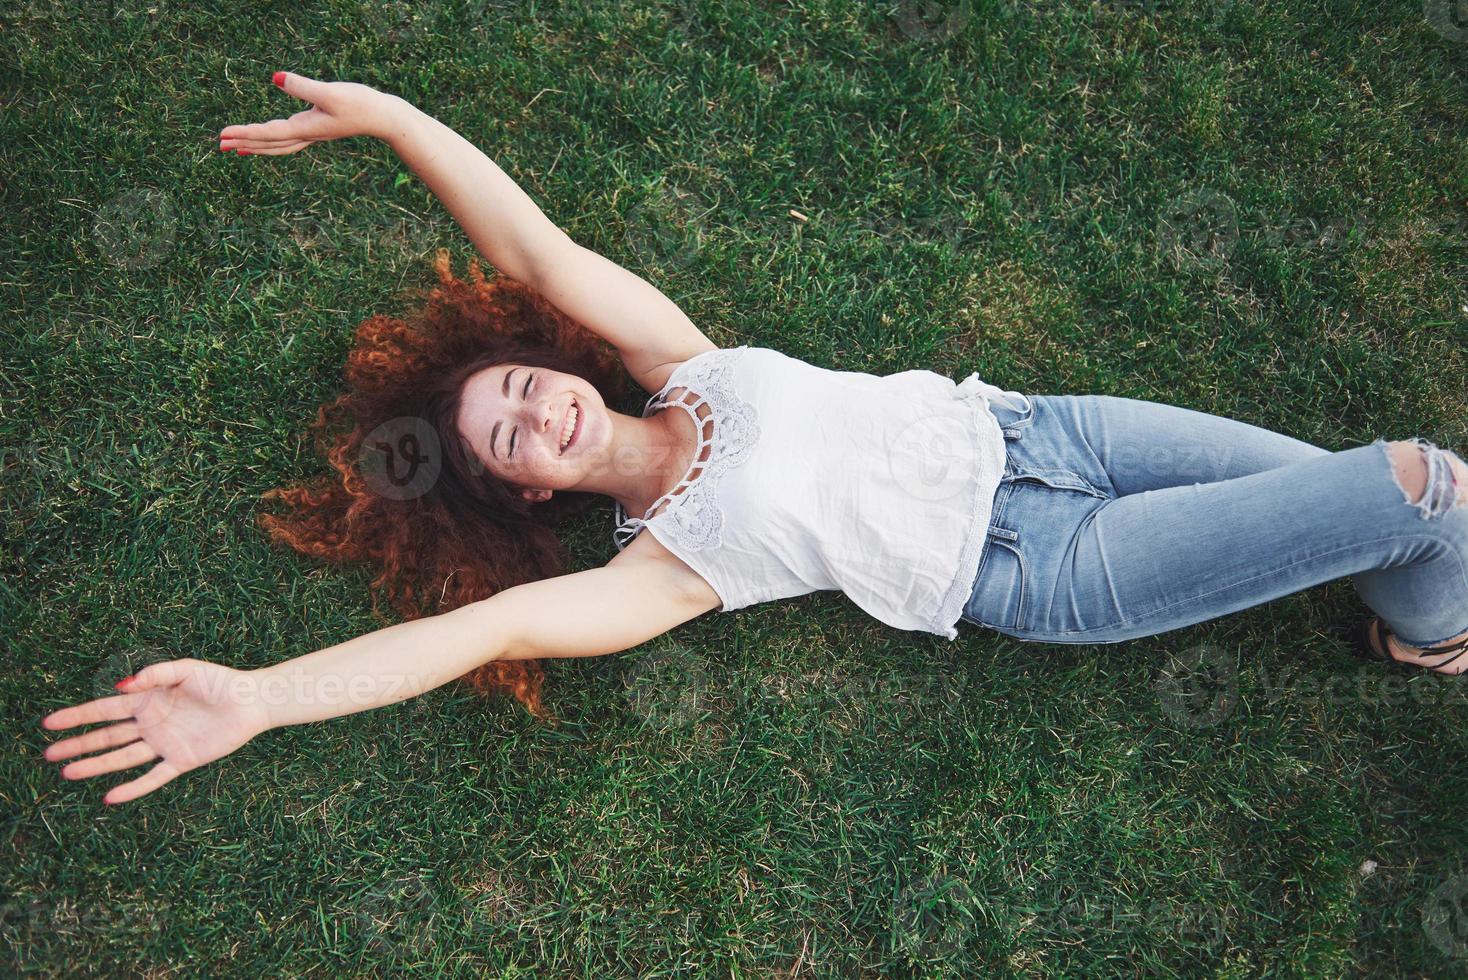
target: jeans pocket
<point>998,599</point>
<point>1057,479</point>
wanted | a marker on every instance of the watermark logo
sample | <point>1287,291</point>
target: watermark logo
<point>1307,233</point>
<point>113,668</point>
<point>135,230</point>
<point>142,228</point>
<point>1198,228</point>
<point>1201,463</point>
<point>1450,230</point>
<point>1067,913</point>
<point>1193,925</point>
<point>309,234</point>
<point>260,238</point>
<point>666,229</point>
<point>397,916</point>
<point>1445,916</point>
<point>401,459</point>
<point>1198,687</point>
<point>932,457</point>
<point>927,21</point>
<point>504,900</point>
<point>668,687</point>
<point>685,20</point>
<point>933,918</point>
<point>67,921</point>
<point>1448,17</point>
<point>833,691</point>
<point>64,466</point>
<point>947,229</point>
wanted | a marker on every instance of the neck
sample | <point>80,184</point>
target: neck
<point>645,459</point>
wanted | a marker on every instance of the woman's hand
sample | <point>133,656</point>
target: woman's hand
<point>186,713</point>
<point>339,110</point>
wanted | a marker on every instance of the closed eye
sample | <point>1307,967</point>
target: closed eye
<point>523,395</point>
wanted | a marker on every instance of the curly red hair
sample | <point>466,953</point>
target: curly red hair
<point>461,535</point>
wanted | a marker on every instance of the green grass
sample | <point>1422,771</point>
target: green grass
<point>1253,209</point>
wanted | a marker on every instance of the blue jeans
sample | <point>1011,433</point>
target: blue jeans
<point>1118,518</point>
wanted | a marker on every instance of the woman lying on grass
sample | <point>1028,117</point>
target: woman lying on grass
<point>482,423</point>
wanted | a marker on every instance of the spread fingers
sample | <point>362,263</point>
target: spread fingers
<point>132,755</point>
<point>102,738</point>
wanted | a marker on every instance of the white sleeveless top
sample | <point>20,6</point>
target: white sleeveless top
<point>808,479</point>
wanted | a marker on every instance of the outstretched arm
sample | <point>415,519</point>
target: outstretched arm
<point>188,713</point>
<point>646,327</point>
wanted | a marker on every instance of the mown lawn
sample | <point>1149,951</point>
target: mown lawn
<point>1249,208</point>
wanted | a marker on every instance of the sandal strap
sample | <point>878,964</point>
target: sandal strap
<point>1380,633</point>
<point>1447,647</point>
<point>1455,656</point>
<point>1459,648</point>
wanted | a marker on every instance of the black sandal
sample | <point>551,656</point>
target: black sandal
<point>1371,644</point>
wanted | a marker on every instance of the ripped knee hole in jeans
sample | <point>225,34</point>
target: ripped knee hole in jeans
<point>1444,482</point>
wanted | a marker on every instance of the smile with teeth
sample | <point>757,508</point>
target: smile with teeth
<point>569,427</point>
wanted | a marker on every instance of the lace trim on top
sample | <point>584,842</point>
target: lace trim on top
<point>696,520</point>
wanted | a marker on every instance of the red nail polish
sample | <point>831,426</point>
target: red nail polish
<point>278,78</point>
<point>243,153</point>
<point>125,681</point>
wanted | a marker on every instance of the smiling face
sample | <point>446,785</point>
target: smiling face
<point>513,417</point>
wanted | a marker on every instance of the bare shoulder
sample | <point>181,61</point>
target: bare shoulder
<point>671,571</point>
